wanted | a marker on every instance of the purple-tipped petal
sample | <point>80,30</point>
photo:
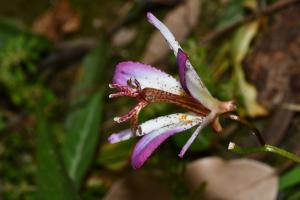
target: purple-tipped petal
<point>191,82</point>
<point>190,141</point>
<point>121,136</point>
<point>181,62</point>
<point>147,76</point>
<point>204,123</point>
<point>147,144</point>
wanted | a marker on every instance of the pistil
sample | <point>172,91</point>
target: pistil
<point>152,95</point>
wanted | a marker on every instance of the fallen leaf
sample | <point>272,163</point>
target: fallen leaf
<point>249,95</point>
<point>239,48</point>
<point>58,20</point>
<point>180,21</point>
<point>123,37</point>
<point>137,186</point>
<point>233,180</point>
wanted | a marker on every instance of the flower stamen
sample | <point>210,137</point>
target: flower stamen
<point>132,82</point>
<point>132,113</point>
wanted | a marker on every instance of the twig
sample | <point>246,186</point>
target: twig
<point>254,130</point>
<point>262,149</point>
<point>260,13</point>
<point>67,52</point>
<point>291,106</point>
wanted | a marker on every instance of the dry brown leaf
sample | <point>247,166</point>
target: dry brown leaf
<point>180,21</point>
<point>59,20</point>
<point>239,179</point>
<point>123,37</point>
<point>137,186</point>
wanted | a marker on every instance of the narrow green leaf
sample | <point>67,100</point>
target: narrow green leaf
<point>83,121</point>
<point>53,181</point>
<point>290,178</point>
<point>82,137</point>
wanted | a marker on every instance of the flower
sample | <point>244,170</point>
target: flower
<point>148,84</point>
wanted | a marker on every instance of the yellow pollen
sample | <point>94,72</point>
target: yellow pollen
<point>182,93</point>
<point>183,117</point>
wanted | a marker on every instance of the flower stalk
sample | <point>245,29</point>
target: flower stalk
<point>264,149</point>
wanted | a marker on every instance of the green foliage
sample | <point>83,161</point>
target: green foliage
<point>83,120</point>
<point>20,50</point>
<point>290,178</point>
<point>9,29</point>
<point>233,11</point>
<point>53,181</point>
<point>115,156</point>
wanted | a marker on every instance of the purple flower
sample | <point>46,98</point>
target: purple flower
<point>148,84</point>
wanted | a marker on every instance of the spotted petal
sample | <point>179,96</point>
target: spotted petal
<point>147,76</point>
<point>154,125</point>
<point>146,146</point>
<point>189,78</point>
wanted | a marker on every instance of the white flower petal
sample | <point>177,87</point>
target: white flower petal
<point>164,122</point>
<point>174,45</point>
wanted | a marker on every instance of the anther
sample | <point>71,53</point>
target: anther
<point>117,119</point>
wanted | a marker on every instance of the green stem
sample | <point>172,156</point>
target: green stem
<point>266,148</point>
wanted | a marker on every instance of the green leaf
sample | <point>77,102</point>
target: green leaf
<point>53,181</point>
<point>233,12</point>
<point>9,29</point>
<point>290,178</point>
<point>83,121</point>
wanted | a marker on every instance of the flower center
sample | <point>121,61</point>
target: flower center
<point>150,95</point>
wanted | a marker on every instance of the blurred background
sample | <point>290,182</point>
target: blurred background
<point>58,57</point>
